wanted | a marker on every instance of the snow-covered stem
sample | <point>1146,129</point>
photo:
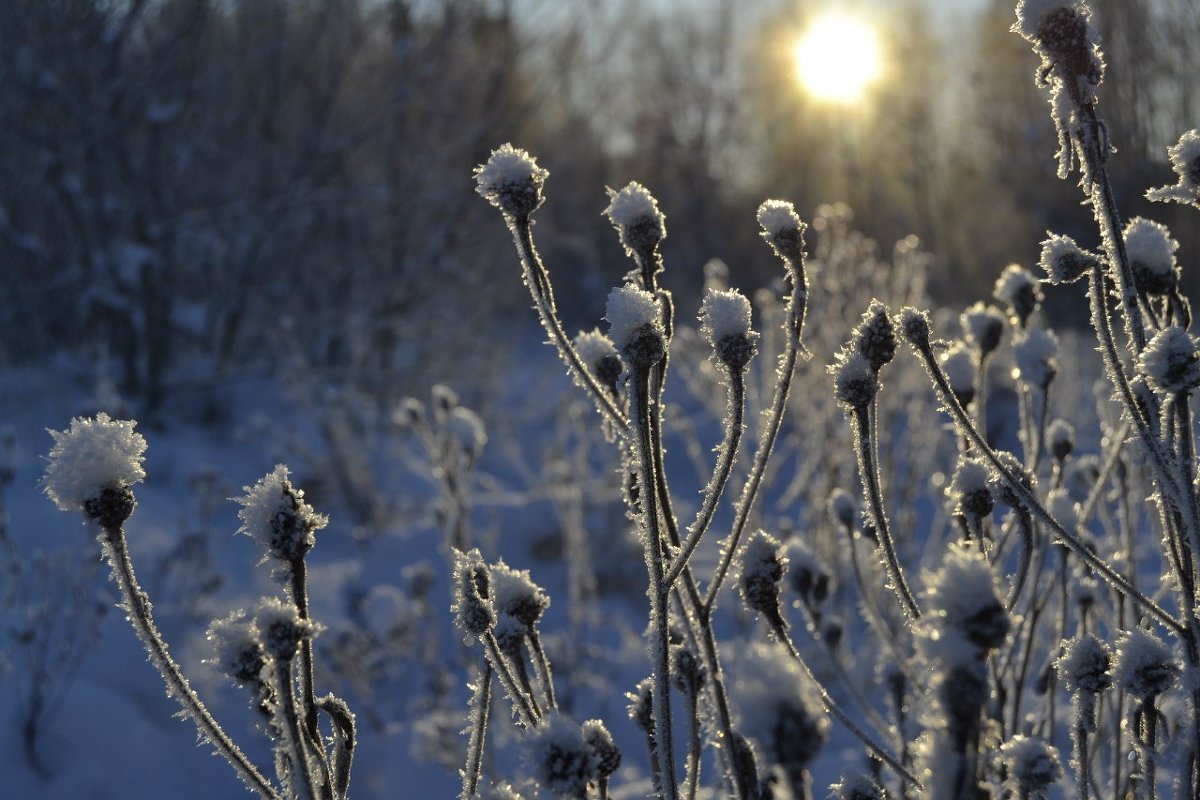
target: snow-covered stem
<point>726,455</point>
<point>877,750</point>
<point>1147,728</point>
<point>869,470</point>
<point>345,739</point>
<point>542,664</point>
<point>1030,501</point>
<point>659,631</point>
<point>302,761</point>
<point>137,605</point>
<point>793,326</point>
<point>521,702</point>
<point>298,573</point>
<point>538,281</point>
<point>481,706</point>
<point>692,778</point>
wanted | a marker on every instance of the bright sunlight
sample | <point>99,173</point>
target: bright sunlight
<point>837,58</point>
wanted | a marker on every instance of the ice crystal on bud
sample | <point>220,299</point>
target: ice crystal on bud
<point>971,488</point>
<point>641,705</point>
<point>1169,362</point>
<point>634,212</point>
<point>1060,438</point>
<point>983,325</point>
<point>959,366</point>
<point>1084,665</point>
<point>782,228</point>
<point>1017,289</point>
<point>1143,665</point>
<point>90,456</point>
<point>1185,160</point>
<point>630,312</point>
<point>605,753</point>
<point>511,180</point>
<point>914,327</point>
<point>763,565</point>
<point>1036,357</point>
<point>854,382</point>
<point>1063,260</point>
<point>875,337</point>
<point>1033,766</point>
<point>560,757</point>
<point>474,611</point>
<point>282,628</point>
<point>237,647</point>
<point>275,515</point>
<point>725,323</point>
<point>1151,256</point>
<point>599,354</point>
<point>515,593</point>
<point>963,600</point>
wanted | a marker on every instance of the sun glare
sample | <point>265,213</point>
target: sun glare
<point>837,58</point>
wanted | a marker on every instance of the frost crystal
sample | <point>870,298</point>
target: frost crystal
<point>275,515</point>
<point>473,609</point>
<point>782,228</point>
<point>511,180</point>
<point>1143,665</point>
<point>515,593</point>
<point>560,757</point>
<point>90,456</point>
<point>1185,160</point>
<point>1017,289</point>
<point>963,601</point>
<point>763,565</point>
<point>1032,13</point>
<point>724,314</point>
<point>1036,357</point>
<point>1063,260</point>
<point>1151,256</point>
<point>237,647</point>
<point>1169,362</point>
<point>854,382</point>
<point>1033,765</point>
<point>605,753</point>
<point>1084,665</point>
<point>593,346</point>
<point>282,628</point>
<point>983,326</point>
<point>959,366</point>
<point>971,488</point>
<point>628,312</point>
<point>914,326</point>
<point>634,212</point>
<point>875,337</point>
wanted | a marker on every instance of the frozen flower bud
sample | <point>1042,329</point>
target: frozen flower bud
<point>808,578</point>
<point>963,598</point>
<point>841,508</point>
<point>971,488</point>
<point>1063,260</point>
<point>641,705</point>
<point>1032,764</point>
<point>763,565</point>
<point>281,627</point>
<point>605,753</point>
<point>854,382</point>
<point>600,356</point>
<point>237,647</point>
<point>511,180</point>
<point>1060,438</point>
<point>275,515</point>
<point>634,325</point>
<point>1017,289</point>
<point>983,326</point>
<point>959,366</point>
<point>468,431</point>
<point>92,465</point>
<point>1151,256</point>
<point>1002,490</point>
<point>1143,665</point>
<point>1036,357</point>
<point>856,786</point>
<point>914,327</point>
<point>1060,30</point>
<point>725,323</point>
<point>1084,668</point>
<point>687,672</point>
<point>474,611</point>
<point>1185,160</point>
<point>515,593</point>
<point>782,229</point>
<point>634,212</point>
<point>560,757</point>
<point>409,414</point>
<point>875,337</point>
<point>1169,363</point>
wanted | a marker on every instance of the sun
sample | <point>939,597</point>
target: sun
<point>837,58</point>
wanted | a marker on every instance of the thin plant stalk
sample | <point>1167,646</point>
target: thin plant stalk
<point>301,760</point>
<point>481,705</point>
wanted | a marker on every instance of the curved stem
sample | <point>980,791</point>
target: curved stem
<point>301,762</point>
<point>299,579</point>
<point>137,605</point>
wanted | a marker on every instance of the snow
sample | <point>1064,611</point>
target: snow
<point>1150,247</point>
<point>91,455</point>
<point>276,516</point>
<point>629,310</point>
<point>1062,259</point>
<point>724,313</point>
<point>778,218</point>
<point>1036,357</point>
<point>1143,665</point>
<point>511,180</point>
<point>1170,362</point>
<point>634,205</point>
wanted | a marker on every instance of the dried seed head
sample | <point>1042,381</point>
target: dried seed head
<point>971,488</point>
<point>275,515</point>
<point>963,600</point>
<point>474,611</point>
<point>856,786</point>
<point>560,757</point>
<point>855,384</point>
<point>1143,665</point>
<point>686,670</point>
<point>1002,489</point>
<point>282,628</point>
<point>1152,256</point>
<point>914,327</point>
<point>763,565</point>
<point>1084,665</point>
<point>634,212</point>
<point>1170,363</point>
<point>725,323</point>
<point>1033,766</point>
<point>875,337</point>
<point>1036,357</point>
<point>1063,260</point>
<point>600,356</point>
<point>515,593</point>
<point>782,229</point>
<point>1017,289</point>
<point>237,647</point>
<point>961,692</point>
<point>1060,438</point>
<point>841,508</point>
<point>511,180</point>
<point>959,366</point>
<point>641,705</point>
<point>635,326</point>
<point>93,455</point>
<point>605,753</point>
<point>983,326</point>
